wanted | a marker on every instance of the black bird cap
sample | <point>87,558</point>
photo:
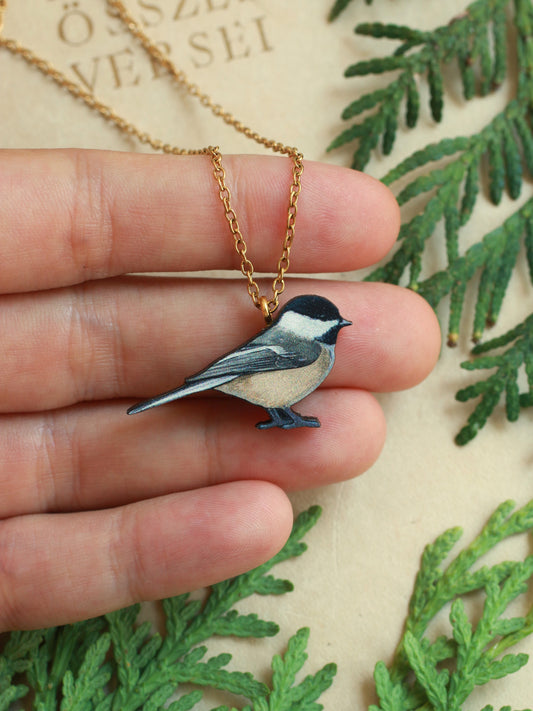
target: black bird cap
<point>314,306</point>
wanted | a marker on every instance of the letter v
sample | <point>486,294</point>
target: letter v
<point>90,84</point>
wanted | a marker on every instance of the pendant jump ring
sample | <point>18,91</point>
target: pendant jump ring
<point>265,309</point>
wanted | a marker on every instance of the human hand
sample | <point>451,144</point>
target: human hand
<point>99,509</point>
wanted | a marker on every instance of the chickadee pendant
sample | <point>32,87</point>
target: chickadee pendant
<point>277,368</point>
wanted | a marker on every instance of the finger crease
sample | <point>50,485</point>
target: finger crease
<point>12,610</point>
<point>118,354</point>
<point>76,499</point>
<point>129,571</point>
<point>79,358</point>
<point>45,480</point>
<point>115,553</point>
<point>91,228</point>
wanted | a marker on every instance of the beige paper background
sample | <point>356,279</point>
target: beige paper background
<point>278,65</point>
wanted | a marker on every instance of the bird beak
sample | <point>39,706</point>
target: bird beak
<point>344,322</point>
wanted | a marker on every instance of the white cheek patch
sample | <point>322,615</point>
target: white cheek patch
<point>305,325</point>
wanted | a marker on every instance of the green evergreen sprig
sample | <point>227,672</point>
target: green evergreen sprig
<point>341,5</point>
<point>446,177</point>
<point>20,649</point>
<point>477,40</point>
<point>438,673</point>
<point>503,382</point>
<point>453,191</point>
<point>112,663</point>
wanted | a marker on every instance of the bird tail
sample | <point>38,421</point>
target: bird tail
<point>187,389</point>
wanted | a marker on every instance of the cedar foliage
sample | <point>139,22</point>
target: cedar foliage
<point>115,663</point>
<point>434,671</point>
<point>448,175</point>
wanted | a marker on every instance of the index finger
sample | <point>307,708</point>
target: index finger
<point>75,215</point>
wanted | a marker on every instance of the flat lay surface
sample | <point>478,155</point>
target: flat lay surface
<point>279,67</point>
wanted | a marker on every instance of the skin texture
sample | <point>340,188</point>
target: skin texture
<point>99,509</point>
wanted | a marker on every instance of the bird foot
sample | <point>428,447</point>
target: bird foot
<point>287,419</point>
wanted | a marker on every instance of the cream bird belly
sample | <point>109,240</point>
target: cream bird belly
<point>280,388</point>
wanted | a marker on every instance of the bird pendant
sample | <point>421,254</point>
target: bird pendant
<point>275,369</point>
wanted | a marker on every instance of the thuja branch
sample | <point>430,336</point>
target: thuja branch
<point>453,189</point>
<point>341,5</point>
<point>504,381</point>
<point>440,672</point>
<point>113,663</point>
<point>477,40</point>
<point>450,172</point>
<point>493,258</point>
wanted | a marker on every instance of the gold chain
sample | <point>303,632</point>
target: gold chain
<point>267,306</point>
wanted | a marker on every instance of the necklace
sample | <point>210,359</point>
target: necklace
<point>289,358</point>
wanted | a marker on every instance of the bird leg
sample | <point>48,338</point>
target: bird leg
<point>287,419</point>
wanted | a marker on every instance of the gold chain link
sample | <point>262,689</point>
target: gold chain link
<point>267,306</point>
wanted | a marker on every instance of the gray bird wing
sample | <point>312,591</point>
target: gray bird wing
<point>257,357</point>
<point>265,352</point>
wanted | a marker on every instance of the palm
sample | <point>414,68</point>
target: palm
<point>100,509</point>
